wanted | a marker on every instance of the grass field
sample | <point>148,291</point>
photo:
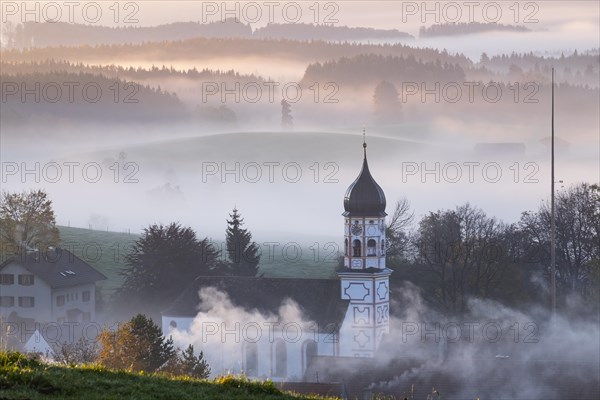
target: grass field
<point>24,378</point>
<point>106,252</point>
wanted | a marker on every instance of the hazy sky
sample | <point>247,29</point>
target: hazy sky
<point>576,17</point>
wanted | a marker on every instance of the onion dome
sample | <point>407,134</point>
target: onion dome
<point>364,197</point>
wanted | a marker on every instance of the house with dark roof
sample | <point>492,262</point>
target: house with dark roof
<point>52,286</point>
<point>273,327</point>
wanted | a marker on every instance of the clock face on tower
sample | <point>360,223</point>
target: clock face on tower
<point>356,230</point>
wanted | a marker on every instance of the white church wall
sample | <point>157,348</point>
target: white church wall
<point>230,356</point>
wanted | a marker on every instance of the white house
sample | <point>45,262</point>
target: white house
<point>349,315</point>
<point>48,287</point>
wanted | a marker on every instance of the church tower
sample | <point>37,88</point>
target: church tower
<point>364,278</point>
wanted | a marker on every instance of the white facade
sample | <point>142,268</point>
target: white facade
<point>364,242</point>
<point>29,297</point>
<point>367,317</point>
<point>274,354</point>
<point>22,293</point>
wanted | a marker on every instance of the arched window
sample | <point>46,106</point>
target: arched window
<point>309,350</point>
<point>346,247</point>
<point>356,248</point>
<point>383,247</point>
<point>280,369</point>
<point>371,247</point>
<point>251,359</point>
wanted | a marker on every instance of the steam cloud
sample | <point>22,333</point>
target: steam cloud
<point>492,352</point>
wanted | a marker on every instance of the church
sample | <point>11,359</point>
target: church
<point>344,317</point>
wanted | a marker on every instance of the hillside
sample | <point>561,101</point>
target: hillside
<point>105,251</point>
<point>23,378</point>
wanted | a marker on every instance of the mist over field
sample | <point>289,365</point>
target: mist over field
<point>174,112</point>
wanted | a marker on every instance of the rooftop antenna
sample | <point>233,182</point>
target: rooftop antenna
<point>552,212</point>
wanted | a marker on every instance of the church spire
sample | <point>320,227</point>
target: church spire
<point>364,197</point>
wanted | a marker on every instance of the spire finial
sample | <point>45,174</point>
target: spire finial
<point>365,141</point>
<point>364,137</point>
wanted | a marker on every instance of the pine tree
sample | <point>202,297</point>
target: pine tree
<point>194,366</point>
<point>387,104</point>
<point>138,345</point>
<point>242,252</point>
<point>162,263</point>
<point>286,115</point>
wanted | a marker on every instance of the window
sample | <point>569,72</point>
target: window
<point>26,302</point>
<point>356,248</point>
<point>309,350</point>
<point>371,247</point>
<point>26,280</point>
<point>7,301</point>
<point>60,300</point>
<point>7,279</point>
<point>251,355</point>
<point>280,369</point>
<point>85,296</point>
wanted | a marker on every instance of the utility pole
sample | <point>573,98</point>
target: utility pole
<point>552,216</point>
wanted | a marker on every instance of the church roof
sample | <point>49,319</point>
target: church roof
<point>319,299</point>
<point>364,197</point>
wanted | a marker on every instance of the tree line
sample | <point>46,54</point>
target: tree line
<point>371,68</point>
<point>199,47</point>
<point>464,28</point>
<point>452,255</point>
<point>459,254</point>
<point>118,71</point>
<point>31,34</point>
<point>85,96</point>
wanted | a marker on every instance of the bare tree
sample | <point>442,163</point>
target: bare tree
<point>577,238</point>
<point>464,250</point>
<point>83,351</point>
<point>397,234</point>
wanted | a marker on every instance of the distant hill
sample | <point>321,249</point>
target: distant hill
<point>85,96</point>
<point>199,49</point>
<point>34,34</point>
<point>64,34</point>
<point>326,32</point>
<point>464,28</point>
<point>370,69</point>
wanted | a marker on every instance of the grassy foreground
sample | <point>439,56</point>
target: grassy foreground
<point>25,378</point>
